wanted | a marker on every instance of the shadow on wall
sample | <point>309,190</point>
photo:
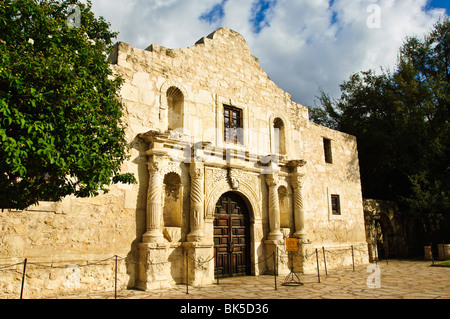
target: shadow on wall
<point>353,169</point>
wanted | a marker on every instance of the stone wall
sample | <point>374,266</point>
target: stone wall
<point>57,238</point>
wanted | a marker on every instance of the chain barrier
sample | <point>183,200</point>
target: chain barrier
<point>199,262</point>
<point>335,252</point>
<point>264,260</point>
<point>43,265</point>
<point>10,266</point>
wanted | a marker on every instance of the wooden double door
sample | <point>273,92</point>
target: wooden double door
<point>231,237</point>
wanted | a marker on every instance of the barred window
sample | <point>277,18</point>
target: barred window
<point>335,205</point>
<point>233,129</point>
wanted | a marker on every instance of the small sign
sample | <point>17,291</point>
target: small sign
<point>291,244</point>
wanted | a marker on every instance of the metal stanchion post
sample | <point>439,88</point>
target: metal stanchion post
<point>187,274</point>
<point>23,277</point>
<point>431,252</point>
<point>275,270</point>
<point>217,275</point>
<point>115,280</point>
<point>376,254</point>
<point>318,271</point>
<point>353,259</point>
<point>277,261</point>
<point>324,261</point>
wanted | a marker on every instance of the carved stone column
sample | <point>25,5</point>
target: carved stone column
<point>274,208</point>
<point>196,172</point>
<point>153,232</point>
<point>299,211</point>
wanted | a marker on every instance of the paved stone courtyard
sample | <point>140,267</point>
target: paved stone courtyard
<point>399,279</point>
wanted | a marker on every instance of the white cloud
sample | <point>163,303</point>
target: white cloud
<point>306,44</point>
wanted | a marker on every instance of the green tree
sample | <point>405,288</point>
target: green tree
<point>61,131</point>
<point>401,121</point>
<point>423,78</point>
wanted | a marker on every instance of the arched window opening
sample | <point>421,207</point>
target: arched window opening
<point>279,136</point>
<point>175,103</point>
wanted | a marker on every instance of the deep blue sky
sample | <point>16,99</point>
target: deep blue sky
<point>440,4</point>
<point>260,9</point>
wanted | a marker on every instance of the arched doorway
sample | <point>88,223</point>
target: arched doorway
<point>231,236</point>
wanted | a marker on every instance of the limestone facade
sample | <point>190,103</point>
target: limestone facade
<point>207,126</point>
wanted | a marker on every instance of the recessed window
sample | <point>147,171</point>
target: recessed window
<point>335,205</point>
<point>327,151</point>
<point>279,136</point>
<point>175,102</point>
<point>233,128</point>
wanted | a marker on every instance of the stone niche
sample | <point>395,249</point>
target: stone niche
<point>172,207</point>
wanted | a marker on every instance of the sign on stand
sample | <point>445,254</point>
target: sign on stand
<point>292,279</point>
<point>291,244</point>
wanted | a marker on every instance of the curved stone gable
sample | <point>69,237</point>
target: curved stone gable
<point>229,38</point>
<point>221,62</point>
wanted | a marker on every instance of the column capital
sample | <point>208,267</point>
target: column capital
<point>156,163</point>
<point>297,180</point>
<point>272,180</point>
<point>196,169</point>
<point>297,166</point>
<point>153,167</point>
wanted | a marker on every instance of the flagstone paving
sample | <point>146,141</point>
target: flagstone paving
<point>400,279</point>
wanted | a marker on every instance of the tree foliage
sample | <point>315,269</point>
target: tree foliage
<point>60,117</point>
<point>401,121</point>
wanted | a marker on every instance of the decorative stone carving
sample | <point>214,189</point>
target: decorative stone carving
<point>165,87</point>
<point>172,234</point>
<point>234,176</point>
<point>217,184</point>
<point>218,175</point>
<point>154,167</point>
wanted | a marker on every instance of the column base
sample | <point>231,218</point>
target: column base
<point>276,248</point>
<point>200,258</point>
<point>153,236</point>
<point>154,269</point>
<point>301,235</point>
<point>275,236</point>
<point>195,237</point>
